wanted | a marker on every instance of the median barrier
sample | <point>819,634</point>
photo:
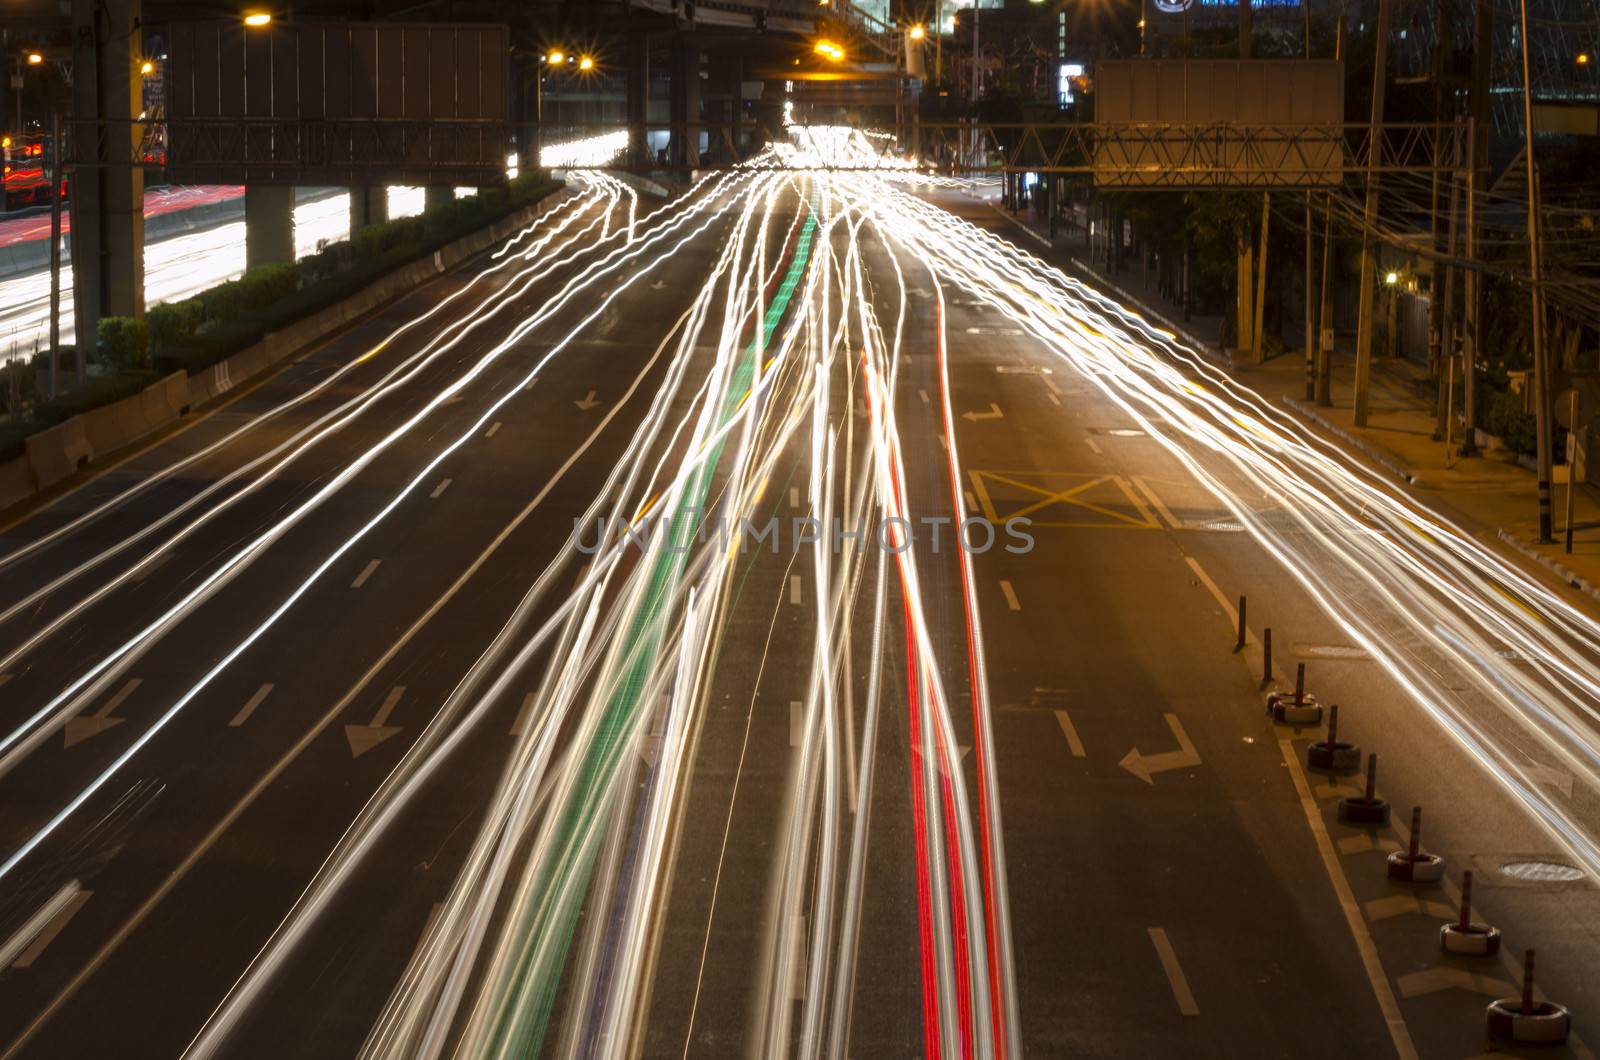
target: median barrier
<point>1415,865</point>
<point>1464,936</point>
<point>1333,755</point>
<point>54,454</point>
<point>1525,1019</point>
<point>1367,809</point>
<point>16,481</point>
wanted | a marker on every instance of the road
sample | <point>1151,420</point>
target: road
<point>471,686</point>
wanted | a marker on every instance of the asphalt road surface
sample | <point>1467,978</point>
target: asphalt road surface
<point>472,685</point>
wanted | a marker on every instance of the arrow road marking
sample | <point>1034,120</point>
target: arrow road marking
<point>659,285</point>
<point>1433,980</point>
<point>588,402</point>
<point>1074,744</point>
<point>364,738</point>
<point>1143,766</point>
<point>994,413</point>
<point>79,729</point>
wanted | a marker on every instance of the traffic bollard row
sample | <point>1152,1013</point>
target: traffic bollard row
<point>1301,708</point>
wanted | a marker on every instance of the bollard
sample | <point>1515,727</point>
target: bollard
<point>1366,809</point>
<point>1330,755</point>
<point>1266,657</point>
<point>1415,866</point>
<point>1464,937</point>
<point>1302,709</point>
<point>1526,1020</point>
<point>1239,645</point>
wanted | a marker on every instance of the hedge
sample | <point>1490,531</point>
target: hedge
<point>124,342</point>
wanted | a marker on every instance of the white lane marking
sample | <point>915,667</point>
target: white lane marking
<point>1070,731</point>
<point>42,917</point>
<point>494,428</point>
<point>794,589</point>
<point>530,385</point>
<point>944,441</point>
<point>923,394</point>
<point>1216,594</point>
<point>1053,398</point>
<point>1156,502</point>
<point>443,485</point>
<point>972,502</point>
<point>366,572</point>
<point>1387,1005</point>
<point>520,726</point>
<point>1093,445</point>
<point>250,708</point>
<point>1011,595</point>
<point>794,496</point>
<point>63,913</point>
<point>1169,964</point>
<point>797,722</point>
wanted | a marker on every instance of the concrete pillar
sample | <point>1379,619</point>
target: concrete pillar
<point>268,224</point>
<point>107,198</point>
<point>369,205</point>
<point>638,98</point>
<point>435,197</point>
<point>685,149</point>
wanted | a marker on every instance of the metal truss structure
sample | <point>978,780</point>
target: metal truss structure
<point>298,151</point>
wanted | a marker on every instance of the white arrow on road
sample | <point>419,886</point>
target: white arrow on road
<point>364,738</point>
<point>994,413</point>
<point>659,285</point>
<point>1142,766</point>
<point>79,729</point>
<point>588,402</point>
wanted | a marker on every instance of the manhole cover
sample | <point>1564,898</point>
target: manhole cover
<point>1541,871</point>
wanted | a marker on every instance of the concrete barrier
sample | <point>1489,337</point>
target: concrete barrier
<point>56,453</point>
<point>53,455</point>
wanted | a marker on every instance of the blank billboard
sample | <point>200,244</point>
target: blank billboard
<point>1218,122</point>
<point>351,102</point>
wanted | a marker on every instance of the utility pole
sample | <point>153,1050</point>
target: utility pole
<point>1325,353</point>
<point>1541,367</point>
<point>1369,262</point>
<point>1447,308</point>
<point>55,257</point>
<point>1245,29</point>
<point>1311,326</point>
<point>1477,156</point>
<point>977,76</point>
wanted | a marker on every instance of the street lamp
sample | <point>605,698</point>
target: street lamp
<point>257,19</point>
<point>34,58</point>
<point>586,63</point>
<point>556,56</point>
<point>829,50</point>
<point>1391,278</point>
<point>147,68</point>
<point>918,32</point>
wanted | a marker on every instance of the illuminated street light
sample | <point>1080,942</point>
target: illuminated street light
<point>586,63</point>
<point>1583,58</point>
<point>917,32</point>
<point>829,50</point>
<point>1391,278</point>
<point>257,18</point>
<point>556,57</point>
<point>147,68</point>
<point>34,58</point>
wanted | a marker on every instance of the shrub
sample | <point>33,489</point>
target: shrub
<point>256,289</point>
<point>124,341</point>
<point>1507,419</point>
<point>174,323</point>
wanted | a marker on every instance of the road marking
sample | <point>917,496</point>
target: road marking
<point>4,678</point>
<point>994,413</point>
<point>945,442</point>
<point>250,708</point>
<point>1094,445</point>
<point>81,728</point>
<point>1011,595</point>
<point>1405,905</point>
<point>1074,744</point>
<point>1051,394</point>
<point>797,722</point>
<point>923,394</point>
<point>587,403</point>
<point>1185,757</point>
<point>794,589</point>
<point>48,918</point>
<point>530,385</point>
<point>366,572</point>
<point>972,502</point>
<point>794,496</point>
<point>364,738</point>
<point>1156,502</point>
<point>1175,978</point>
<point>1216,594</point>
<point>494,428</point>
<point>1364,843</point>
<point>1387,1004</point>
<point>520,726</point>
<point>1433,980</point>
<point>443,485</point>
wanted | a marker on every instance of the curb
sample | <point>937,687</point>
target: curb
<point>1200,346</point>
<point>1560,570</point>
<point>1365,448</point>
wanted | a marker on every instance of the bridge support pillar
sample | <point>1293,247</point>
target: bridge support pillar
<point>107,197</point>
<point>686,61</point>
<point>369,205</point>
<point>268,224</point>
<point>436,197</point>
<point>638,98</point>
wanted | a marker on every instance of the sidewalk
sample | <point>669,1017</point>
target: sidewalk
<point>1491,496</point>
